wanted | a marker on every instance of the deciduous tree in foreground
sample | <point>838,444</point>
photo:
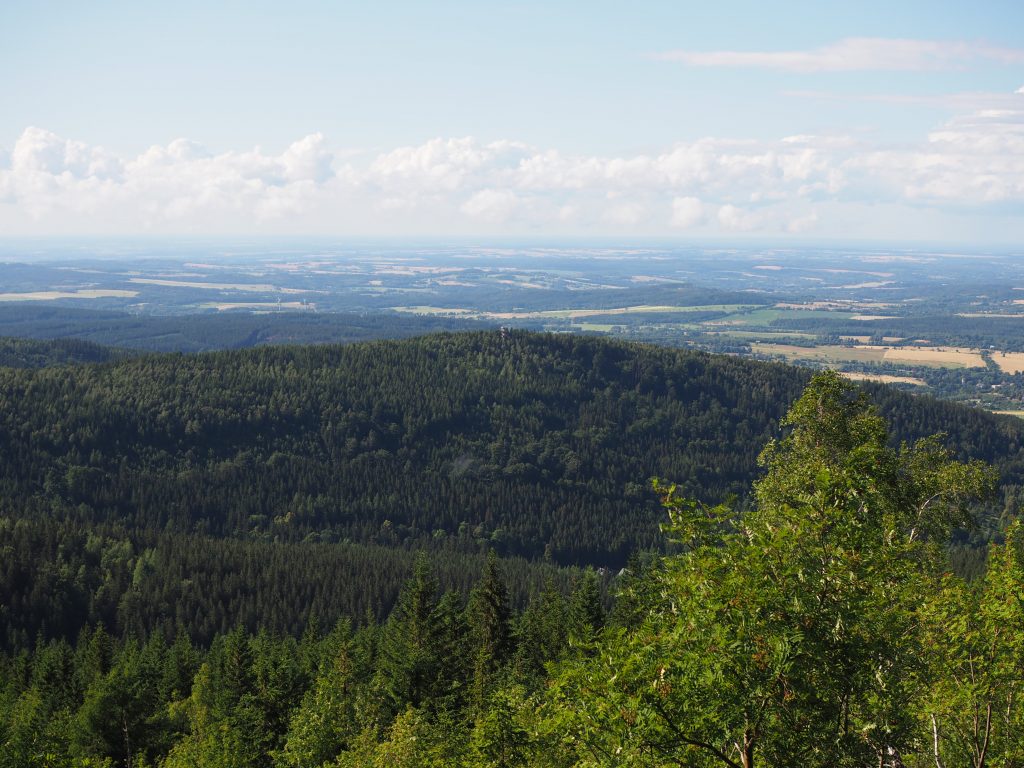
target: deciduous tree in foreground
<point>787,635</point>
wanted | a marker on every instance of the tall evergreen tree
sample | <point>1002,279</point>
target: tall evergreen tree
<point>409,663</point>
<point>490,629</point>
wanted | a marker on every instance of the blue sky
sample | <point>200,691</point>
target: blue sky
<point>828,120</point>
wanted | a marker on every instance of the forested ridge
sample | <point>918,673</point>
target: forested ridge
<point>207,331</point>
<point>536,445</point>
<point>817,625</point>
<point>133,493</point>
<point>32,353</point>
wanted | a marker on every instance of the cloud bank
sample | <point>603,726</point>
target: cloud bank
<point>855,54</point>
<point>826,185</point>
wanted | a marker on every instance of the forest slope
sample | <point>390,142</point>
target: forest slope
<point>536,445</point>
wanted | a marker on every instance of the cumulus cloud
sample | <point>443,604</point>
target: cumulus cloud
<point>687,212</point>
<point>40,151</point>
<point>736,219</point>
<point>626,214</point>
<point>974,159</point>
<point>856,54</point>
<point>50,184</point>
<point>493,205</point>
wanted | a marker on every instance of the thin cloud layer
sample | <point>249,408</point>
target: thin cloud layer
<point>857,54</point>
<point>798,184</point>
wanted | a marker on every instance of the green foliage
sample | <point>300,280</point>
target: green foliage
<point>490,630</point>
<point>974,641</point>
<point>259,487</point>
<point>815,626</point>
<point>788,637</point>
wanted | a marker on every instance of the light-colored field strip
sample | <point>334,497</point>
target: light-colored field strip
<point>257,305</point>
<point>866,339</point>
<point>81,294</point>
<point>1009,362</point>
<point>872,284</point>
<point>882,378</point>
<point>837,304</point>
<point>1018,316</point>
<point>763,334</point>
<point>954,357</point>
<point>939,357</point>
<point>574,314</point>
<point>425,310</point>
<point>1018,414</point>
<point>825,353</point>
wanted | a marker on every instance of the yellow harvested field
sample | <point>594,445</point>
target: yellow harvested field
<point>81,294</point>
<point>1018,414</point>
<point>882,378</point>
<point>872,317</point>
<point>938,357</point>
<point>1009,362</point>
<point>950,357</point>
<point>825,353</point>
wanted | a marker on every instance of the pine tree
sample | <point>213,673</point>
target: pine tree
<point>488,616</point>
<point>408,663</point>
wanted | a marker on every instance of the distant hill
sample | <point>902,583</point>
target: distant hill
<point>537,445</point>
<point>270,485</point>
<point>37,353</point>
<point>212,331</point>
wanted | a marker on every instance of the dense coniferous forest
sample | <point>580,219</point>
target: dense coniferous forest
<point>263,486</point>
<point>818,624</point>
<point>211,331</point>
<point>30,353</point>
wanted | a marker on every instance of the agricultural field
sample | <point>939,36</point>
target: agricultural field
<point>573,314</point>
<point>948,320</point>
<point>82,293</point>
<point>1009,362</point>
<point>940,357</point>
<point>882,378</point>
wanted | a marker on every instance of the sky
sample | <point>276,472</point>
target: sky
<point>727,120</point>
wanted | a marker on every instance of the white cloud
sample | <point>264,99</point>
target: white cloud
<point>974,162</point>
<point>493,205</point>
<point>966,101</point>
<point>40,151</point>
<point>626,214</point>
<point>687,212</point>
<point>735,219</point>
<point>803,224</point>
<point>855,54</point>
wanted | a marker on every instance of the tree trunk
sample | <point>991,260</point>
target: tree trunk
<point>747,753</point>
